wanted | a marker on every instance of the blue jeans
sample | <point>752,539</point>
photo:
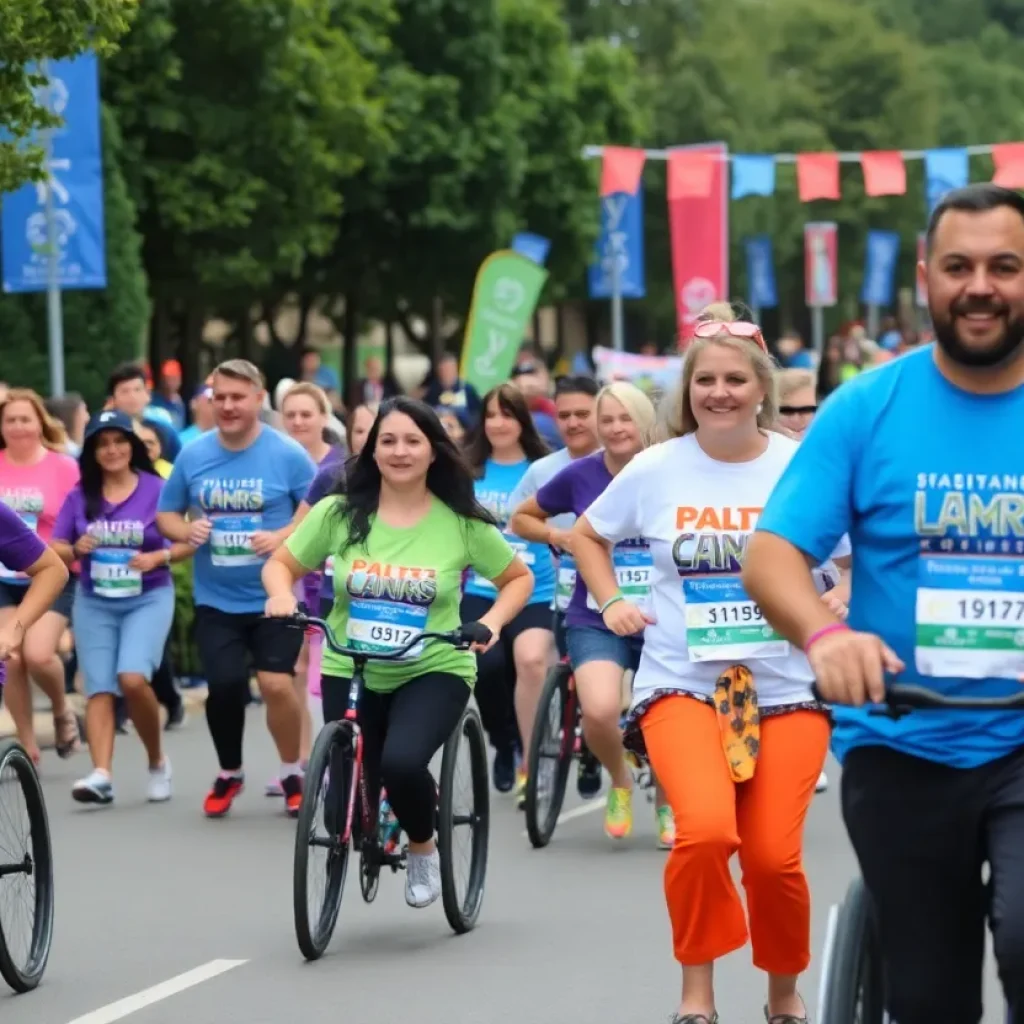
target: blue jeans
<point>589,643</point>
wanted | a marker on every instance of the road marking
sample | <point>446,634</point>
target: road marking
<point>132,1004</point>
<point>577,812</point>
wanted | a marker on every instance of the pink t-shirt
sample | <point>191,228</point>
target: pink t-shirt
<point>36,492</point>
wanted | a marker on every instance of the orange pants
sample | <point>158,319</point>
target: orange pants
<point>715,817</point>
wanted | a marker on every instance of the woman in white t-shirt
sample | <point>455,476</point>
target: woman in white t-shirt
<point>723,704</point>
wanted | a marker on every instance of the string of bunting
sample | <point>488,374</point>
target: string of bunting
<point>691,172</point>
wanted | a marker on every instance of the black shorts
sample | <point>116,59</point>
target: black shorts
<point>533,616</point>
<point>11,595</point>
<point>231,644</point>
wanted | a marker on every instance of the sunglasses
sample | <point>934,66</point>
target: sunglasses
<point>798,410</point>
<point>736,329</point>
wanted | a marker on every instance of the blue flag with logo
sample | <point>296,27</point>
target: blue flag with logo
<point>76,176</point>
<point>533,247</point>
<point>944,170</point>
<point>622,239</point>
<point>761,272</point>
<point>880,258</point>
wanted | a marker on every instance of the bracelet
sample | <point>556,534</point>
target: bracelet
<point>609,603</point>
<point>833,627</point>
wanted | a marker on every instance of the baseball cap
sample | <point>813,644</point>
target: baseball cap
<point>170,368</point>
<point>110,419</point>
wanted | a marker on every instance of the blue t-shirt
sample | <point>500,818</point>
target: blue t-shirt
<point>926,481</point>
<point>493,491</point>
<point>242,492</point>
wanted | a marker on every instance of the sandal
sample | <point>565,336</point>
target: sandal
<point>786,1018</point>
<point>694,1018</point>
<point>66,736</point>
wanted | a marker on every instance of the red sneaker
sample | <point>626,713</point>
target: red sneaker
<point>220,798</point>
<point>292,786</point>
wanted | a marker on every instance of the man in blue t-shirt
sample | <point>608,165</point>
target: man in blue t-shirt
<point>240,484</point>
<point>919,463</point>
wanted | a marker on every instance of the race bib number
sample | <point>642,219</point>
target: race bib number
<point>970,617</point>
<point>231,540</point>
<point>566,580</point>
<point>380,627</point>
<point>111,577</point>
<point>633,570</point>
<point>32,522</point>
<point>724,624</point>
<point>521,548</point>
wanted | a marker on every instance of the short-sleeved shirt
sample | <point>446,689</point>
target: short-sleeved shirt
<point>122,531</point>
<point>928,481</point>
<point>20,546</point>
<point>494,491</point>
<point>400,582</point>
<point>697,515</point>
<point>575,489</point>
<point>241,492</point>
<point>319,586</point>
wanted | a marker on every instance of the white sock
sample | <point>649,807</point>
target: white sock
<point>290,769</point>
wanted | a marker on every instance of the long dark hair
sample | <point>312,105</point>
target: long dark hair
<point>92,475</point>
<point>448,478</point>
<point>512,402</point>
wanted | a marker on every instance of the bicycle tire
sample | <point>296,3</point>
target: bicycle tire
<point>462,912</point>
<point>334,752</point>
<point>27,977</point>
<point>540,823</point>
<point>855,970</point>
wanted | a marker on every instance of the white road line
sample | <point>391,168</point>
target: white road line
<point>132,1004</point>
<point>577,812</point>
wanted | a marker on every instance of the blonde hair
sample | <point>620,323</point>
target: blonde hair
<point>640,408</point>
<point>313,391</point>
<point>52,432</point>
<point>789,381</point>
<point>240,369</point>
<point>676,413</point>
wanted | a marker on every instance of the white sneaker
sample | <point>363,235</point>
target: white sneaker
<point>423,879</point>
<point>95,788</point>
<point>822,783</point>
<point>159,789</point>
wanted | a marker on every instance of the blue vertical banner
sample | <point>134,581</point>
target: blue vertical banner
<point>944,170</point>
<point>622,239</point>
<point>76,177</point>
<point>533,247</point>
<point>880,258</point>
<point>761,272</point>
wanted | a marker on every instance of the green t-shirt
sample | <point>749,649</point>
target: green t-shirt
<point>400,583</point>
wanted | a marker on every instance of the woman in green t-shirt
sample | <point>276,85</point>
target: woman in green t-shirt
<point>402,528</point>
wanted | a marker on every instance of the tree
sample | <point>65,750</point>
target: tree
<point>32,31</point>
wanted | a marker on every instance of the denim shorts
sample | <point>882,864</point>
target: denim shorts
<point>120,635</point>
<point>589,643</point>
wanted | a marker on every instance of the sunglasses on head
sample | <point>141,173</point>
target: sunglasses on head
<point>798,410</point>
<point>736,329</point>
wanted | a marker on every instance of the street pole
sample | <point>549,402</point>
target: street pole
<point>873,319</point>
<point>54,310</point>
<point>818,329</point>
<point>617,327</point>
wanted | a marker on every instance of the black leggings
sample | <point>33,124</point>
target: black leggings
<point>402,731</point>
<point>922,832</point>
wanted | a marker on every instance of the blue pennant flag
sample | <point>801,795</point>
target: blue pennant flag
<point>622,241</point>
<point>880,258</point>
<point>533,247</point>
<point>753,176</point>
<point>944,170</point>
<point>761,272</point>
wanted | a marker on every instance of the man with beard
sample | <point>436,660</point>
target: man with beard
<point>918,461</point>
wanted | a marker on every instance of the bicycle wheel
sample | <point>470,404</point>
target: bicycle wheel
<point>551,755</point>
<point>317,886</point>
<point>26,871</point>
<point>462,899</point>
<point>854,991</point>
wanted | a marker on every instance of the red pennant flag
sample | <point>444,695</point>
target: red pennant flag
<point>1009,160</point>
<point>621,168</point>
<point>817,176</point>
<point>691,173</point>
<point>885,174</point>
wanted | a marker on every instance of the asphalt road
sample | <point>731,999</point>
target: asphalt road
<point>164,917</point>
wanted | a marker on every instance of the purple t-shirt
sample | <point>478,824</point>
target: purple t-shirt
<point>122,530</point>
<point>328,473</point>
<point>574,489</point>
<point>20,545</point>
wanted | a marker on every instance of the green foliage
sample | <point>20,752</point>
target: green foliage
<point>36,30</point>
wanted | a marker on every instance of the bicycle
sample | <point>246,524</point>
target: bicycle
<point>852,983</point>
<point>558,737</point>
<point>337,757</point>
<point>26,858</point>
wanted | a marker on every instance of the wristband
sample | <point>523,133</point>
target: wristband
<point>833,627</point>
<point>609,603</point>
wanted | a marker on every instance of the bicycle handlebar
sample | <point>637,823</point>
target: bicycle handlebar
<point>468,633</point>
<point>901,698</point>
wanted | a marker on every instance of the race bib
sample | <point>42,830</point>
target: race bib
<point>970,617</point>
<point>521,548</point>
<point>724,624</point>
<point>329,566</point>
<point>380,627</point>
<point>231,540</point>
<point>633,569</point>
<point>111,577</point>
<point>32,522</point>
<point>566,580</point>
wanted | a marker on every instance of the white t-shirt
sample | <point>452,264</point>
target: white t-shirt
<point>540,473</point>
<point>697,514</point>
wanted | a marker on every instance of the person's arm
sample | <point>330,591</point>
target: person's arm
<point>491,557</point>
<point>552,499</point>
<point>170,515</point>
<point>307,548</point>
<point>529,521</point>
